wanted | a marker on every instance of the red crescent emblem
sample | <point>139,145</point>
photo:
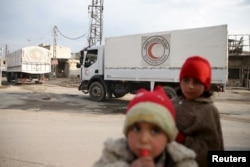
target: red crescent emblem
<point>86,72</point>
<point>150,54</point>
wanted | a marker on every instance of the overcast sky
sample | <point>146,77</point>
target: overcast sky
<point>30,22</point>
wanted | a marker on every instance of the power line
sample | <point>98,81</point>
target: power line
<point>70,37</point>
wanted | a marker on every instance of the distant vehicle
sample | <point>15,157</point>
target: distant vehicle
<point>127,63</point>
<point>28,65</point>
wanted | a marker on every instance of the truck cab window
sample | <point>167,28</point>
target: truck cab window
<point>90,58</point>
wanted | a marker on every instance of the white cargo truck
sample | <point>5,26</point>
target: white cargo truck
<point>28,65</point>
<point>127,63</point>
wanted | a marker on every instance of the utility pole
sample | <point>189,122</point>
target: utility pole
<point>96,22</point>
<point>54,60</point>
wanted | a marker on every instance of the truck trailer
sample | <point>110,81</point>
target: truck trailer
<point>127,63</point>
<point>28,65</point>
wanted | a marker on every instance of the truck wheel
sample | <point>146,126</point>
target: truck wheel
<point>97,91</point>
<point>119,95</point>
<point>171,93</point>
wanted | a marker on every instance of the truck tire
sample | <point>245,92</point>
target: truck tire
<point>97,91</point>
<point>170,92</point>
<point>119,95</point>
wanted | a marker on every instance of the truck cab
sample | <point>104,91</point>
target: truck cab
<point>92,63</point>
<point>92,72</point>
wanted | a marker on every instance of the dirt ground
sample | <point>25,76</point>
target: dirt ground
<point>55,125</point>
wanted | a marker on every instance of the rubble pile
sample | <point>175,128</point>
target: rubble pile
<point>65,82</point>
<point>70,83</point>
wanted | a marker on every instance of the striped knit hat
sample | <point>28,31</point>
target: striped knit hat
<point>152,107</point>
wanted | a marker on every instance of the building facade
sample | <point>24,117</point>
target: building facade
<point>239,60</point>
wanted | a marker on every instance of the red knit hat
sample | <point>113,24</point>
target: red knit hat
<point>153,107</point>
<point>199,68</point>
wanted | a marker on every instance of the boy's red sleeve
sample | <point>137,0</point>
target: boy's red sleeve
<point>180,138</point>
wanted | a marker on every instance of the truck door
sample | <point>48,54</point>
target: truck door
<point>90,65</point>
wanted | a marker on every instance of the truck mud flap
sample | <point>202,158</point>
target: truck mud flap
<point>83,86</point>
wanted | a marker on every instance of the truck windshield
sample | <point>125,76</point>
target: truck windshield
<point>90,58</point>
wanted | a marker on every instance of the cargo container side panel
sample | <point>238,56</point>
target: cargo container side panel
<point>36,55</point>
<point>123,52</point>
<point>35,68</point>
<point>123,59</point>
<point>14,59</point>
<point>131,51</point>
<point>19,58</point>
<point>210,42</point>
<point>159,75</point>
<point>10,59</point>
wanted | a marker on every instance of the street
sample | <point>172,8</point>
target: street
<point>50,125</point>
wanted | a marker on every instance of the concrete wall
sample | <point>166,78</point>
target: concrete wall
<point>72,71</point>
<point>61,52</point>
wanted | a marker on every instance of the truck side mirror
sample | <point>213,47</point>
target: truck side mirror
<point>81,57</point>
<point>78,65</point>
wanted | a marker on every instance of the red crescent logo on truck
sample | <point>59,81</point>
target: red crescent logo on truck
<point>155,50</point>
<point>86,72</point>
<point>150,54</point>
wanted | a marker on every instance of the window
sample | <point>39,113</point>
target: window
<point>90,58</point>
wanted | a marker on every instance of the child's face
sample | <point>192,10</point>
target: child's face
<point>143,135</point>
<point>191,88</point>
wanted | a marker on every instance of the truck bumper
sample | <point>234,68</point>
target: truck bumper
<point>84,86</point>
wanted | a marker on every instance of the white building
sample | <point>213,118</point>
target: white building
<point>63,62</point>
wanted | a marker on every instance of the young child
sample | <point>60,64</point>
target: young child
<point>196,117</point>
<point>150,131</point>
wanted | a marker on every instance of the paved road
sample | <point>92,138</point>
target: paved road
<point>50,139</point>
<point>52,126</point>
